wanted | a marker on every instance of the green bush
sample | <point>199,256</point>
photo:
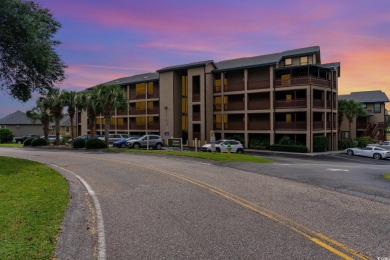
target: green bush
<point>28,141</point>
<point>364,141</point>
<point>289,148</point>
<point>95,144</point>
<point>79,143</point>
<point>320,143</point>
<point>6,135</point>
<point>38,142</point>
<point>259,144</point>
<point>285,140</point>
<point>347,143</point>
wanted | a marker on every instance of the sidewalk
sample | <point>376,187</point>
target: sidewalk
<point>303,154</point>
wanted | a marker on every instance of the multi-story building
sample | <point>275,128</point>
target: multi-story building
<point>263,97</point>
<point>374,124</point>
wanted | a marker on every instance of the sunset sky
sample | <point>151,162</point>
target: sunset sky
<point>103,40</point>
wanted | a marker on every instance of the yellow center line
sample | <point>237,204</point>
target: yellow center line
<point>316,237</point>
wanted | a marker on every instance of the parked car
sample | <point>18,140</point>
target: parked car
<point>384,145</point>
<point>369,151</point>
<point>154,141</point>
<point>20,140</point>
<point>85,137</point>
<point>52,138</point>
<point>222,145</point>
<point>123,142</point>
<point>114,137</point>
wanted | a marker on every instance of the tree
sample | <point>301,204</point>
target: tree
<point>87,101</point>
<point>6,135</point>
<point>54,102</point>
<point>41,112</point>
<point>28,60</point>
<point>110,97</point>
<point>340,114</point>
<point>352,110</point>
<point>69,100</point>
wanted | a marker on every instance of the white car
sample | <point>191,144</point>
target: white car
<point>384,145</point>
<point>369,151</point>
<point>222,145</point>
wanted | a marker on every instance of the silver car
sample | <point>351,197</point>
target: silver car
<point>369,151</point>
<point>154,141</point>
<point>221,146</point>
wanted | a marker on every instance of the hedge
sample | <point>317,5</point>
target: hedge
<point>79,143</point>
<point>320,143</point>
<point>289,148</point>
<point>28,141</point>
<point>38,142</point>
<point>95,144</point>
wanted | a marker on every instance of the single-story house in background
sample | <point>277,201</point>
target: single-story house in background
<point>21,125</point>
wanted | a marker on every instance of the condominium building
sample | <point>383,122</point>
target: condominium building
<point>264,97</point>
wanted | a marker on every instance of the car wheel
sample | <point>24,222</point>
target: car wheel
<point>377,156</point>
<point>158,146</point>
<point>240,151</point>
<point>349,152</point>
<point>123,145</point>
<point>136,146</point>
<point>218,150</point>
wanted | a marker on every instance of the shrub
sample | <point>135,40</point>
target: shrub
<point>285,140</point>
<point>6,135</point>
<point>254,143</point>
<point>95,144</point>
<point>38,142</point>
<point>289,148</point>
<point>347,143</point>
<point>79,143</point>
<point>364,141</point>
<point>28,141</point>
<point>320,143</point>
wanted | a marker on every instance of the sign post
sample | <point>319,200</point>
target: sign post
<point>212,141</point>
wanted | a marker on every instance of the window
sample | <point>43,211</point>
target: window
<point>287,62</point>
<point>344,135</point>
<point>3,126</point>
<point>303,60</point>
<point>67,129</point>
<point>364,105</point>
<point>377,107</point>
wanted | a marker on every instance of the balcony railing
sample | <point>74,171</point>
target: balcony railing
<point>195,97</point>
<point>258,105</point>
<point>134,111</point>
<point>154,126</point>
<point>154,95</point>
<point>302,81</point>
<point>258,84</point>
<point>230,126</point>
<point>361,125</point>
<point>233,106</point>
<point>295,125</point>
<point>329,125</point>
<point>259,125</point>
<point>328,104</point>
<point>295,103</point>
<point>154,110</point>
<point>320,103</point>
<point>196,117</point>
<point>136,97</point>
<point>318,125</point>
<point>239,86</point>
<point>121,113</point>
<point>121,127</point>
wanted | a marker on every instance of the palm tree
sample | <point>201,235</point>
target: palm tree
<point>88,102</point>
<point>110,97</point>
<point>352,110</point>
<point>41,112</point>
<point>68,100</point>
<point>55,105</point>
<point>340,114</point>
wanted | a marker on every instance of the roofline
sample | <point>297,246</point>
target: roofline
<point>186,66</point>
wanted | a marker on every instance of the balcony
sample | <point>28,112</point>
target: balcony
<point>318,125</point>
<point>196,117</point>
<point>295,125</point>
<point>134,111</point>
<point>153,95</point>
<point>302,81</point>
<point>136,97</point>
<point>259,84</point>
<point>329,125</point>
<point>265,125</point>
<point>154,126</point>
<point>196,97</point>
<point>362,125</point>
<point>154,110</point>
<point>234,106</point>
<point>258,105</point>
<point>121,113</point>
<point>239,86</point>
<point>234,126</point>
<point>319,103</point>
<point>329,103</point>
<point>121,127</point>
<point>294,103</point>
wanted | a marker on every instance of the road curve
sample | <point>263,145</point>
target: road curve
<point>176,208</point>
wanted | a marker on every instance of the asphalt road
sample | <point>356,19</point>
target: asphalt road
<point>164,207</point>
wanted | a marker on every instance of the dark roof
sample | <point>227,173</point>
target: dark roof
<point>145,77</point>
<point>18,118</point>
<point>264,60</point>
<point>66,121</point>
<point>375,96</point>
<point>333,65</point>
<point>186,66</point>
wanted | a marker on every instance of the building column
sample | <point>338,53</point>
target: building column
<point>272,110</point>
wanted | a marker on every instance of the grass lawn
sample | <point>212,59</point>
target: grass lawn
<point>32,206</point>
<point>220,157</point>
<point>387,176</point>
<point>11,145</point>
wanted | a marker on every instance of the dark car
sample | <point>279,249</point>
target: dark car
<point>123,142</point>
<point>20,140</point>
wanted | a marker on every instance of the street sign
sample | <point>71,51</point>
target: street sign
<point>212,141</point>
